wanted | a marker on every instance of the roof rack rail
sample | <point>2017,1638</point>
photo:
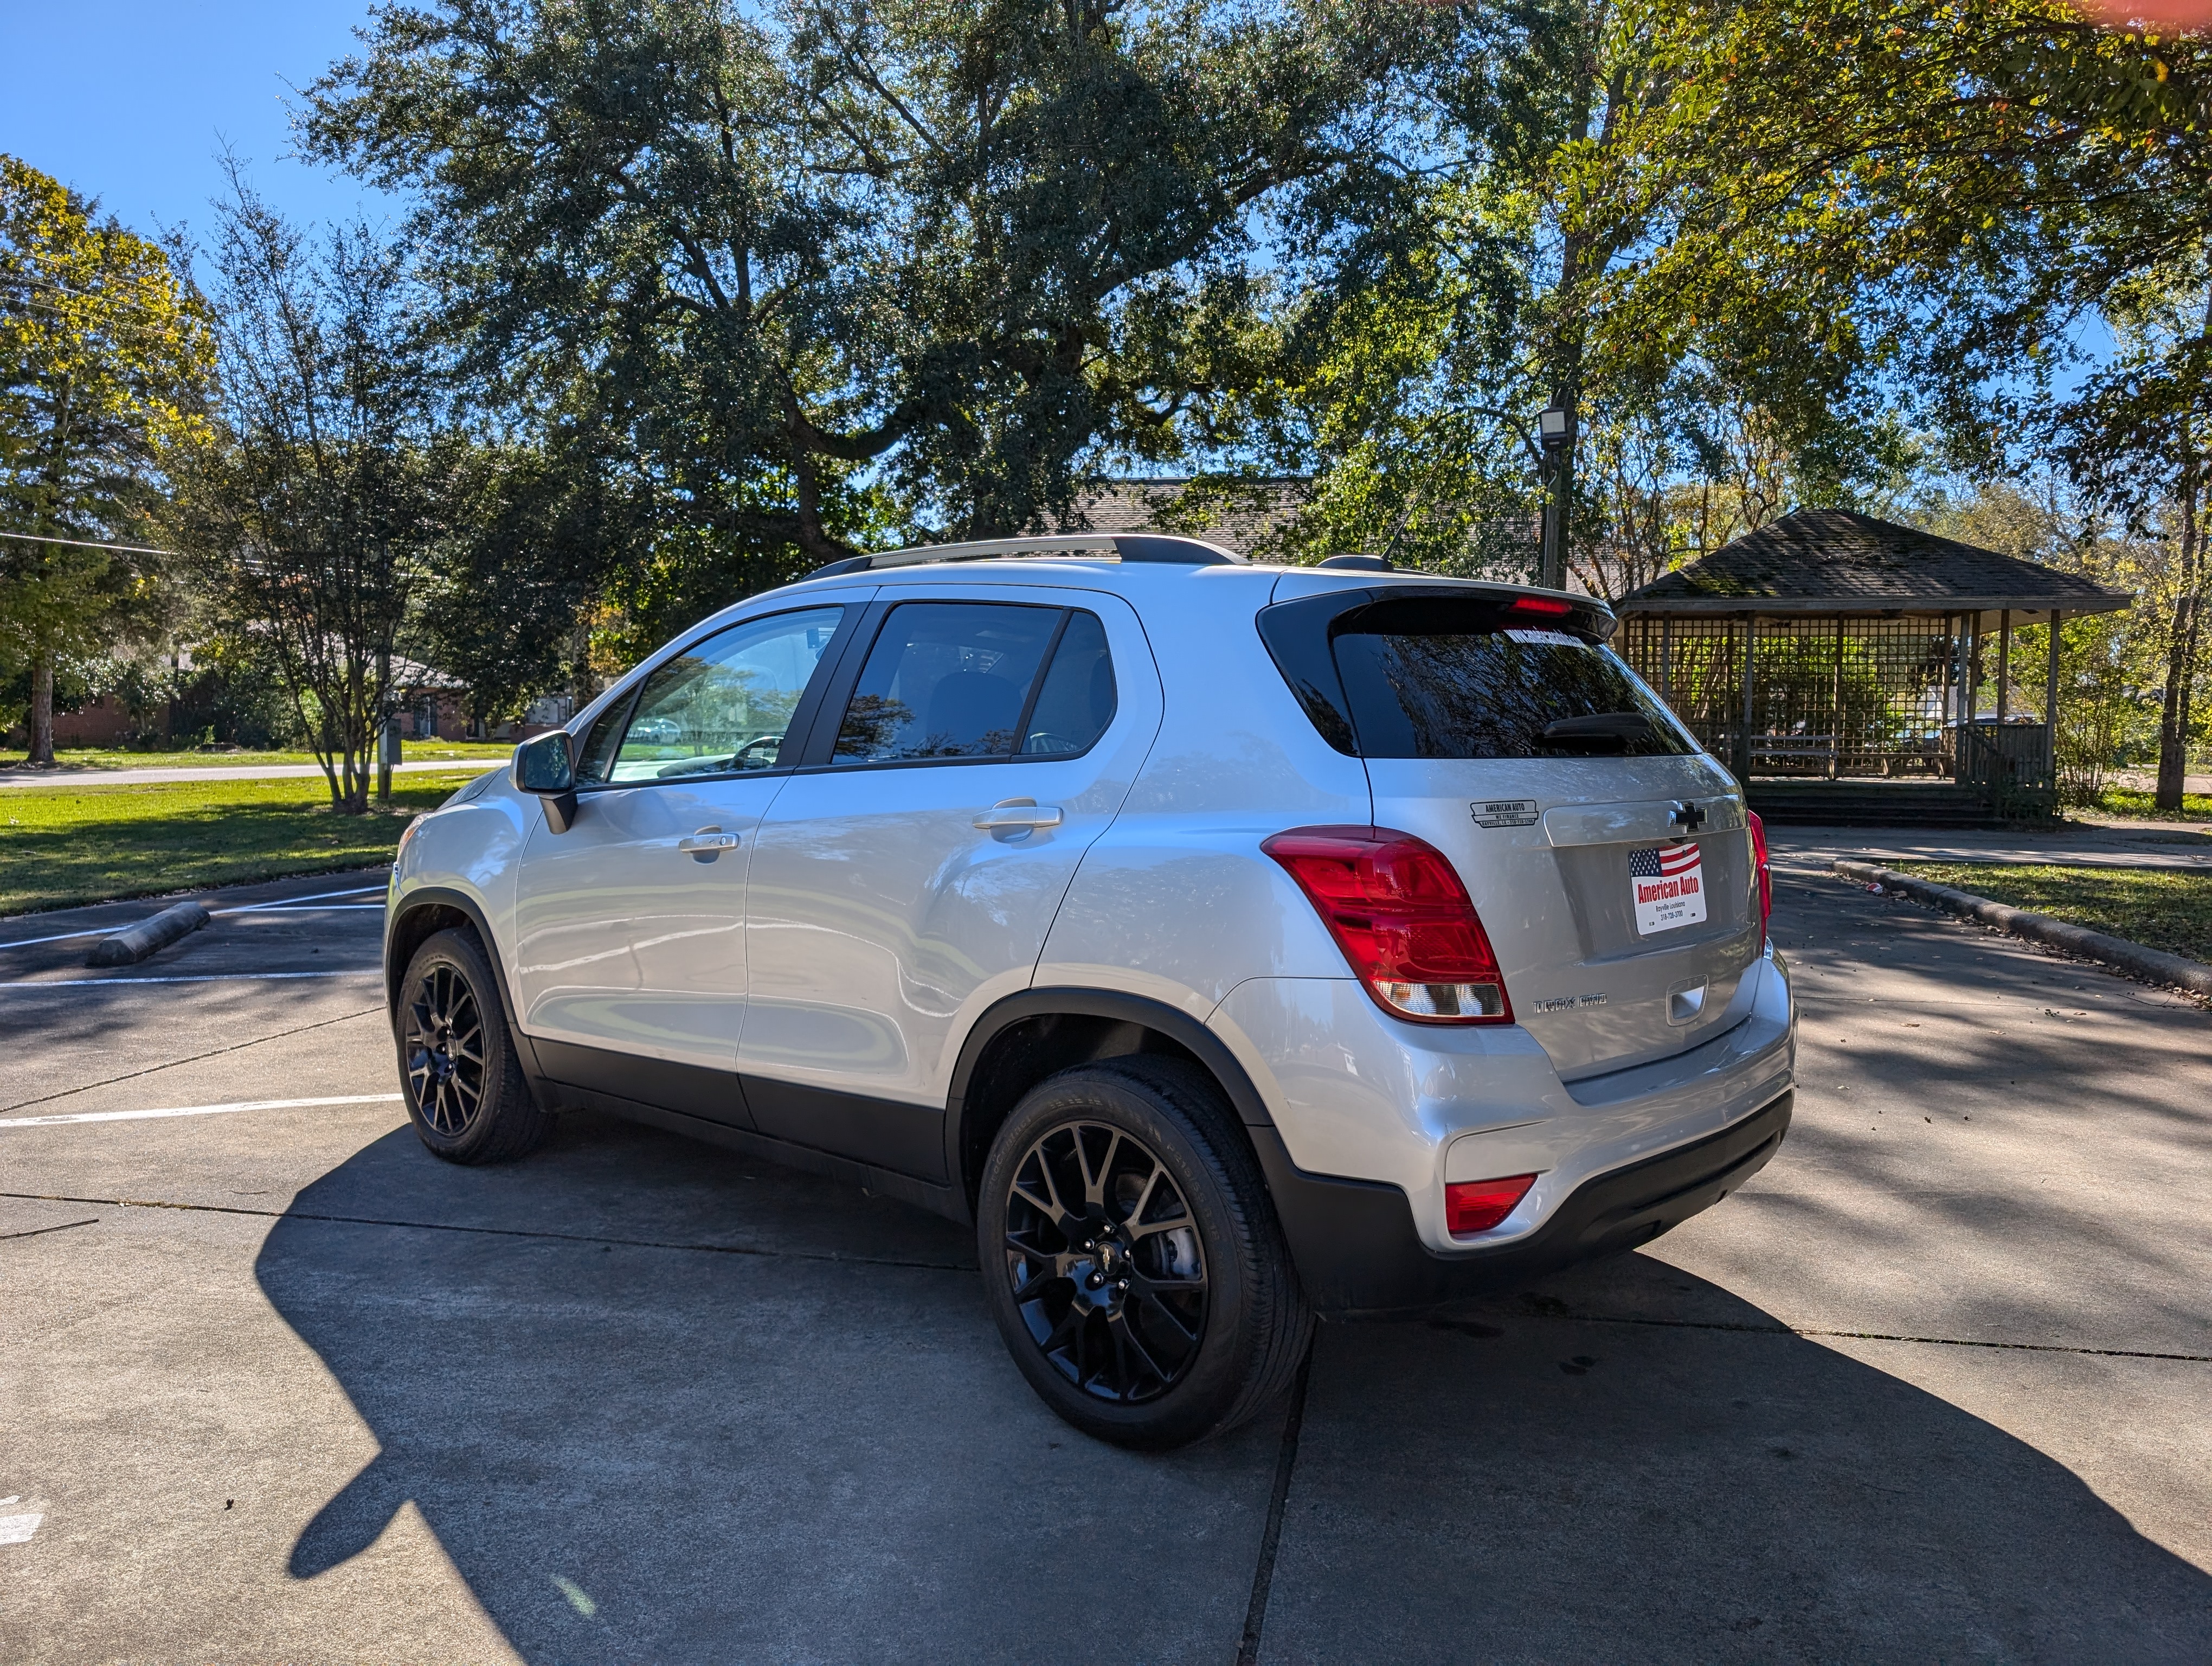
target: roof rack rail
<point>1162,547</point>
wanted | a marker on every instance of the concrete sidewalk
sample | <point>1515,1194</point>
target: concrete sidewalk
<point>2102,843</point>
<point>21,778</point>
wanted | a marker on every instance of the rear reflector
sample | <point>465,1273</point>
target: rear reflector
<point>1765,870</point>
<point>1398,910</point>
<point>1476,1206</point>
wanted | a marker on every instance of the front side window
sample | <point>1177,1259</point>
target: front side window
<point>947,680</point>
<point>723,705</point>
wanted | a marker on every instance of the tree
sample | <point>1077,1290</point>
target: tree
<point>103,351</point>
<point>329,474</point>
<point>778,256</point>
<point>1996,172</point>
<point>1499,260</point>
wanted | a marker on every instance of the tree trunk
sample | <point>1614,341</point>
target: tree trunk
<point>2181,658</point>
<point>2173,718</point>
<point>42,711</point>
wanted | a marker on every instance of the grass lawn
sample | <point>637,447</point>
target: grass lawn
<point>64,845</point>
<point>115,757</point>
<point>2168,908</point>
<point>2126,801</point>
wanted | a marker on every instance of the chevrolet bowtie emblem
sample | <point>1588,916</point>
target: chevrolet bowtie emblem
<point>1687,816</point>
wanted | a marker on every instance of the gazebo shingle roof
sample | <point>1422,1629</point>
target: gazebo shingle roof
<point>1837,561</point>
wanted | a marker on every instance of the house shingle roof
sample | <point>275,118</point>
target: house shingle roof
<point>1837,561</point>
<point>1246,513</point>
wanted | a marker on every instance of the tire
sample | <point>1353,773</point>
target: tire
<point>1163,1310</point>
<point>464,1085</point>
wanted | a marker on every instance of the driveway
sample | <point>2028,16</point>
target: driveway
<point>1933,1385</point>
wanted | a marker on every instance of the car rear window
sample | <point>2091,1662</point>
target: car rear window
<point>1469,688</point>
<point>1442,677</point>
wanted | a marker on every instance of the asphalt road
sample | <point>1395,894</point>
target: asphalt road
<point>280,1387</point>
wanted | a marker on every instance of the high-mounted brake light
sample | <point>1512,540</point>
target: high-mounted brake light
<point>1542,606</point>
<point>1476,1206</point>
<point>1765,870</point>
<point>1398,910</point>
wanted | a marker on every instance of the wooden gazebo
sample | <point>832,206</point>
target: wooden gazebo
<point>1849,669</point>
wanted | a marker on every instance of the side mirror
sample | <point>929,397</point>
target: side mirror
<point>544,768</point>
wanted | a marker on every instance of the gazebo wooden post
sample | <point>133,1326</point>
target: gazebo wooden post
<point>2004,662</point>
<point>1750,637</point>
<point>1836,707</point>
<point>2051,701</point>
<point>1666,659</point>
<point>1973,702</point>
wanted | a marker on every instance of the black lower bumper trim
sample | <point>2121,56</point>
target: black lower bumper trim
<point>1358,1256</point>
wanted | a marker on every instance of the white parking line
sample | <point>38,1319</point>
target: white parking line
<point>200,977</point>
<point>244,908</point>
<point>294,901</point>
<point>196,1111</point>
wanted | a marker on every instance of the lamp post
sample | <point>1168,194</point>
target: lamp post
<point>1555,428</point>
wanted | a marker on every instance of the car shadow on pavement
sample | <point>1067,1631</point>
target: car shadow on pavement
<point>635,1451</point>
<point>1633,1464</point>
<point>673,1455</point>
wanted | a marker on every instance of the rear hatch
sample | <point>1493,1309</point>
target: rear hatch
<point>1608,858</point>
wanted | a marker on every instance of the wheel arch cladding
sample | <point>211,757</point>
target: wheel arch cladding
<point>423,914</point>
<point>1038,1033</point>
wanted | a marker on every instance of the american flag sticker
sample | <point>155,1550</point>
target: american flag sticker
<point>1668,885</point>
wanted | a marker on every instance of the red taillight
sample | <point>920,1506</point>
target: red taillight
<point>1542,606</point>
<point>1765,872</point>
<point>1398,910</point>
<point>1476,1206</point>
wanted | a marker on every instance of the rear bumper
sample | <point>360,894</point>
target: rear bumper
<point>1360,1255</point>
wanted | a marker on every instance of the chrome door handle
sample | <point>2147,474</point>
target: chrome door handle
<point>706,846</point>
<point>1023,813</point>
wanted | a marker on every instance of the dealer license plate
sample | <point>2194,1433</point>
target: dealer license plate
<point>1667,882</point>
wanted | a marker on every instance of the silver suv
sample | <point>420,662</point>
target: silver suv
<point>1230,945</point>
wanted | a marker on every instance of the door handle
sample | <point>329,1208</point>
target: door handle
<point>707,844</point>
<point>1024,815</point>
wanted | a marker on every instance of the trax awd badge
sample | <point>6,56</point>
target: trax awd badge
<point>1568,1003</point>
<point>1504,812</point>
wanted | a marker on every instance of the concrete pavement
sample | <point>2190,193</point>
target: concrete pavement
<point>1933,1385</point>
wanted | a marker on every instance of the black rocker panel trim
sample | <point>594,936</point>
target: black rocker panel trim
<point>714,1096</point>
<point>945,1200</point>
<point>905,1139</point>
<point>1358,1254</point>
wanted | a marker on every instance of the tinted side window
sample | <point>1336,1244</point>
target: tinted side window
<point>722,705</point>
<point>946,680</point>
<point>1077,701</point>
<point>1468,688</point>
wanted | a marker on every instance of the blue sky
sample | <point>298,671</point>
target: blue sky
<point>130,102</point>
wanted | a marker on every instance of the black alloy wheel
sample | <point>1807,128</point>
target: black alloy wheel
<point>444,1045</point>
<point>1132,1257</point>
<point>463,1082</point>
<point>1103,1259</point>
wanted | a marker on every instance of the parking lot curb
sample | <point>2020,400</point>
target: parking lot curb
<point>2154,965</point>
<point>134,944</point>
